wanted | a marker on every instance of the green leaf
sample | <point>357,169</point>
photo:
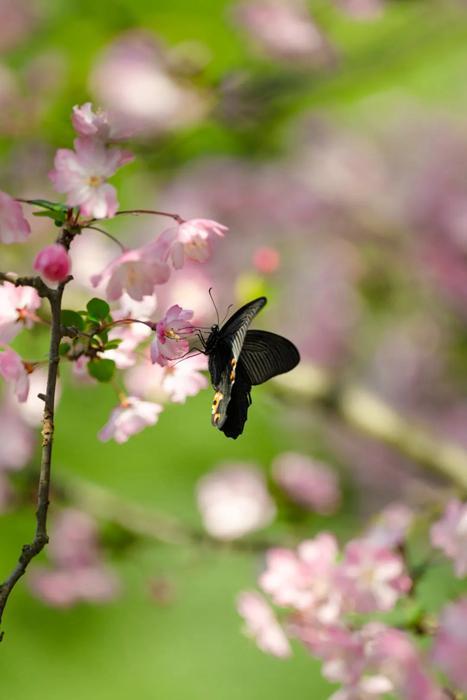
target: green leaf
<point>101,369</point>
<point>64,349</point>
<point>52,206</point>
<point>59,220</point>
<point>71,318</point>
<point>98,309</point>
<point>112,344</point>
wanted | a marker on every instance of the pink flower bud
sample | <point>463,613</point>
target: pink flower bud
<point>53,263</point>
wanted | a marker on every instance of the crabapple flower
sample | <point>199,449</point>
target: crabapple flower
<point>261,624</point>
<point>78,573</point>
<point>132,416</point>
<point>196,235</point>
<point>169,342</point>
<point>371,578</point>
<point>307,482</point>
<point>82,175</point>
<point>185,379</point>
<point>13,226</point>
<point>86,122</point>
<point>138,271</point>
<point>391,526</point>
<point>17,309</point>
<point>53,263</point>
<point>131,335</point>
<point>304,579</point>
<point>13,370</point>
<point>450,535</point>
<point>233,500</point>
<point>32,410</point>
<point>450,645</point>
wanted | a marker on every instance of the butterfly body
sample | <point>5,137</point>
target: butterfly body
<point>240,358</point>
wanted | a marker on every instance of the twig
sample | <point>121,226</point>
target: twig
<point>107,234</point>
<point>29,551</point>
<point>154,212</point>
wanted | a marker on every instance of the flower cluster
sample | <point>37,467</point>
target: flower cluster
<point>327,595</point>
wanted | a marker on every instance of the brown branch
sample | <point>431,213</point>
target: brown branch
<point>29,551</point>
<point>154,212</point>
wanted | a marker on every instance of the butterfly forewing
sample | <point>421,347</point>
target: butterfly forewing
<point>234,331</point>
<point>264,355</point>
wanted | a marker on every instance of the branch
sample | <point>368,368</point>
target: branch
<point>29,551</point>
<point>367,412</point>
<point>143,522</point>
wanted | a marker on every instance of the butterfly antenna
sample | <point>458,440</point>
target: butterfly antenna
<point>226,313</point>
<point>212,299</point>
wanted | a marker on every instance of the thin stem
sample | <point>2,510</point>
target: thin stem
<point>176,217</point>
<point>109,235</point>
<point>29,551</point>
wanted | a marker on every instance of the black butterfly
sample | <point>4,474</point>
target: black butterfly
<point>239,359</point>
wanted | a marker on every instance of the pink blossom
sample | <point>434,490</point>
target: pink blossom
<point>307,482</point>
<point>196,234</point>
<point>266,260</point>
<point>450,535</point>
<point>13,226</point>
<point>370,577</point>
<point>53,263</point>
<point>13,371</point>
<point>140,270</point>
<point>234,501</point>
<point>129,418</point>
<point>450,645</point>
<point>86,122</point>
<point>391,526</point>
<point>17,309</point>
<point>304,579</point>
<point>169,342</point>
<point>32,410</point>
<point>82,174</point>
<point>78,573</point>
<point>184,378</point>
<point>17,439</point>
<point>261,624</point>
<point>398,658</point>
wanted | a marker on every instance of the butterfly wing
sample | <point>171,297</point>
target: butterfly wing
<point>264,355</point>
<point>223,366</point>
<point>237,407</point>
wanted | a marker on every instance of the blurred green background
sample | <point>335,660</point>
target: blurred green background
<point>406,53</point>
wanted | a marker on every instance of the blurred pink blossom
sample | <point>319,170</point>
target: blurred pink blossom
<point>184,378</point>
<point>196,234</point>
<point>129,418</point>
<point>53,263</point>
<point>266,260</point>
<point>307,482</point>
<point>450,535</point>
<point>140,270</point>
<point>261,624</point>
<point>17,309</point>
<point>32,410</point>
<point>13,226</point>
<point>17,439</point>
<point>233,501</point>
<point>131,335</point>
<point>284,30</point>
<point>82,174</point>
<point>13,371</point>
<point>78,573</point>
<point>18,20</point>
<point>371,578</point>
<point>304,579</point>
<point>391,526</point>
<point>99,124</point>
<point>133,81</point>
<point>169,342</point>
<point>450,645</point>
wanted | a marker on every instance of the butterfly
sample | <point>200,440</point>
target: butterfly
<point>240,358</point>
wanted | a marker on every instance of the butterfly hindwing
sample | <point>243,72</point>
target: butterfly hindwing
<point>237,408</point>
<point>265,355</point>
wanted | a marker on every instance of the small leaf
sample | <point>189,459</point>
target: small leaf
<point>58,220</point>
<point>71,318</point>
<point>52,206</point>
<point>64,349</point>
<point>98,309</point>
<point>101,369</point>
<point>112,344</point>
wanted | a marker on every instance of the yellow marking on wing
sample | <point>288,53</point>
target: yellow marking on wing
<point>216,417</point>
<point>218,396</point>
